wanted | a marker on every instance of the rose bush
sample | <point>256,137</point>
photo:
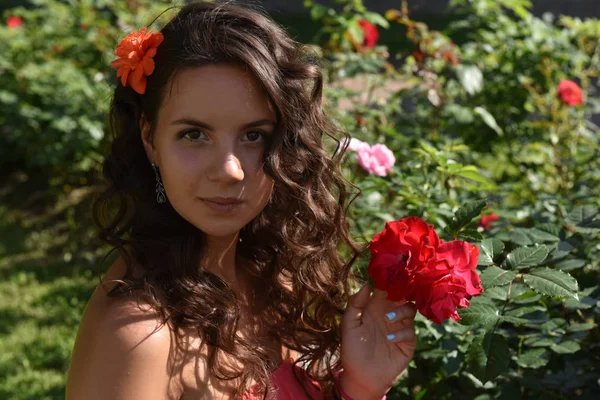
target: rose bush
<point>476,111</point>
<point>54,83</point>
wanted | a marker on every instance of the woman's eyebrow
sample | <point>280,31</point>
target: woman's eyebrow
<point>195,122</point>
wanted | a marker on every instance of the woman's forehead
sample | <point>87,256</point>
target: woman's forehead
<point>216,91</point>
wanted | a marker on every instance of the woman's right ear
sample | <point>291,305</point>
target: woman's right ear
<point>147,139</point>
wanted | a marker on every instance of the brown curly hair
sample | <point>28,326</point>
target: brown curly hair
<point>297,236</point>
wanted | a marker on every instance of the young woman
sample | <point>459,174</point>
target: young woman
<point>228,212</point>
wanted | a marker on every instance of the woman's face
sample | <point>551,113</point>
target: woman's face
<point>209,143</point>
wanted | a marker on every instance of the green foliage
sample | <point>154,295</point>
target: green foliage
<point>473,113</point>
<point>55,82</point>
<point>470,113</point>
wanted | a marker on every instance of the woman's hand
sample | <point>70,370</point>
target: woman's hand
<point>371,360</point>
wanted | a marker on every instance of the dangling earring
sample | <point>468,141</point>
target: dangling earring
<point>161,196</point>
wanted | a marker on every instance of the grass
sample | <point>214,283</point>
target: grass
<point>47,274</point>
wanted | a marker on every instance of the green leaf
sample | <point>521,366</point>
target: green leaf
<point>567,347</point>
<point>527,298</point>
<point>583,304</point>
<point>489,356</point>
<point>488,119</point>
<point>551,282</point>
<point>582,213</point>
<point>555,326</point>
<point>489,250</point>
<point>478,313</point>
<point>514,320</point>
<point>520,237</point>
<point>590,225</point>
<point>470,235</point>
<point>498,293</point>
<point>539,341</point>
<point>541,236</point>
<point>494,276</point>
<point>581,326</point>
<point>475,176</point>
<point>317,12</point>
<point>526,257</point>
<point>467,212</point>
<point>569,265</point>
<point>533,358</point>
<point>549,228</point>
<point>377,19</point>
<point>520,311</point>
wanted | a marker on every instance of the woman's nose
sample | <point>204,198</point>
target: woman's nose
<point>226,168</point>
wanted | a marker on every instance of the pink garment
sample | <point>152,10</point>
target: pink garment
<point>288,387</point>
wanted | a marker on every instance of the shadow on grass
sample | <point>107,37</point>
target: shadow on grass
<point>44,231</point>
<point>9,318</point>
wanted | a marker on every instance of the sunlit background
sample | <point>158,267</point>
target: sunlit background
<point>449,102</point>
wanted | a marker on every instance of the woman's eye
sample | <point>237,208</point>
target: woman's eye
<point>192,135</point>
<point>255,136</point>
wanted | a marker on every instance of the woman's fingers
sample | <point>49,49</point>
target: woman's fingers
<point>404,312</point>
<point>406,334</point>
<point>356,305</point>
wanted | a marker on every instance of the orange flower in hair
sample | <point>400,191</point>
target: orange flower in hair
<point>135,61</point>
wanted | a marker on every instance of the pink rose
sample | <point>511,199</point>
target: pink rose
<point>376,159</point>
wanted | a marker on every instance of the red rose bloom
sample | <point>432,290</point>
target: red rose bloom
<point>460,259</point>
<point>570,93</point>
<point>411,263</point>
<point>14,22</point>
<point>438,299</point>
<point>486,219</point>
<point>399,253</point>
<point>370,34</point>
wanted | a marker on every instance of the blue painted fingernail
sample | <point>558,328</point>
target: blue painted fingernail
<point>391,315</point>
<point>391,336</point>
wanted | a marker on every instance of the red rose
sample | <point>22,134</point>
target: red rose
<point>570,93</point>
<point>399,253</point>
<point>486,219</point>
<point>438,299</point>
<point>411,263</point>
<point>459,259</point>
<point>359,120</point>
<point>448,282</point>
<point>370,34</point>
<point>14,22</point>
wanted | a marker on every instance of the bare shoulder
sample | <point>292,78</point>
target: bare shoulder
<point>122,350</point>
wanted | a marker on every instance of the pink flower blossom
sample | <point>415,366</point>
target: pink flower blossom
<point>376,159</point>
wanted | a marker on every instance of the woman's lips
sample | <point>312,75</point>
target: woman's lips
<point>221,207</point>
